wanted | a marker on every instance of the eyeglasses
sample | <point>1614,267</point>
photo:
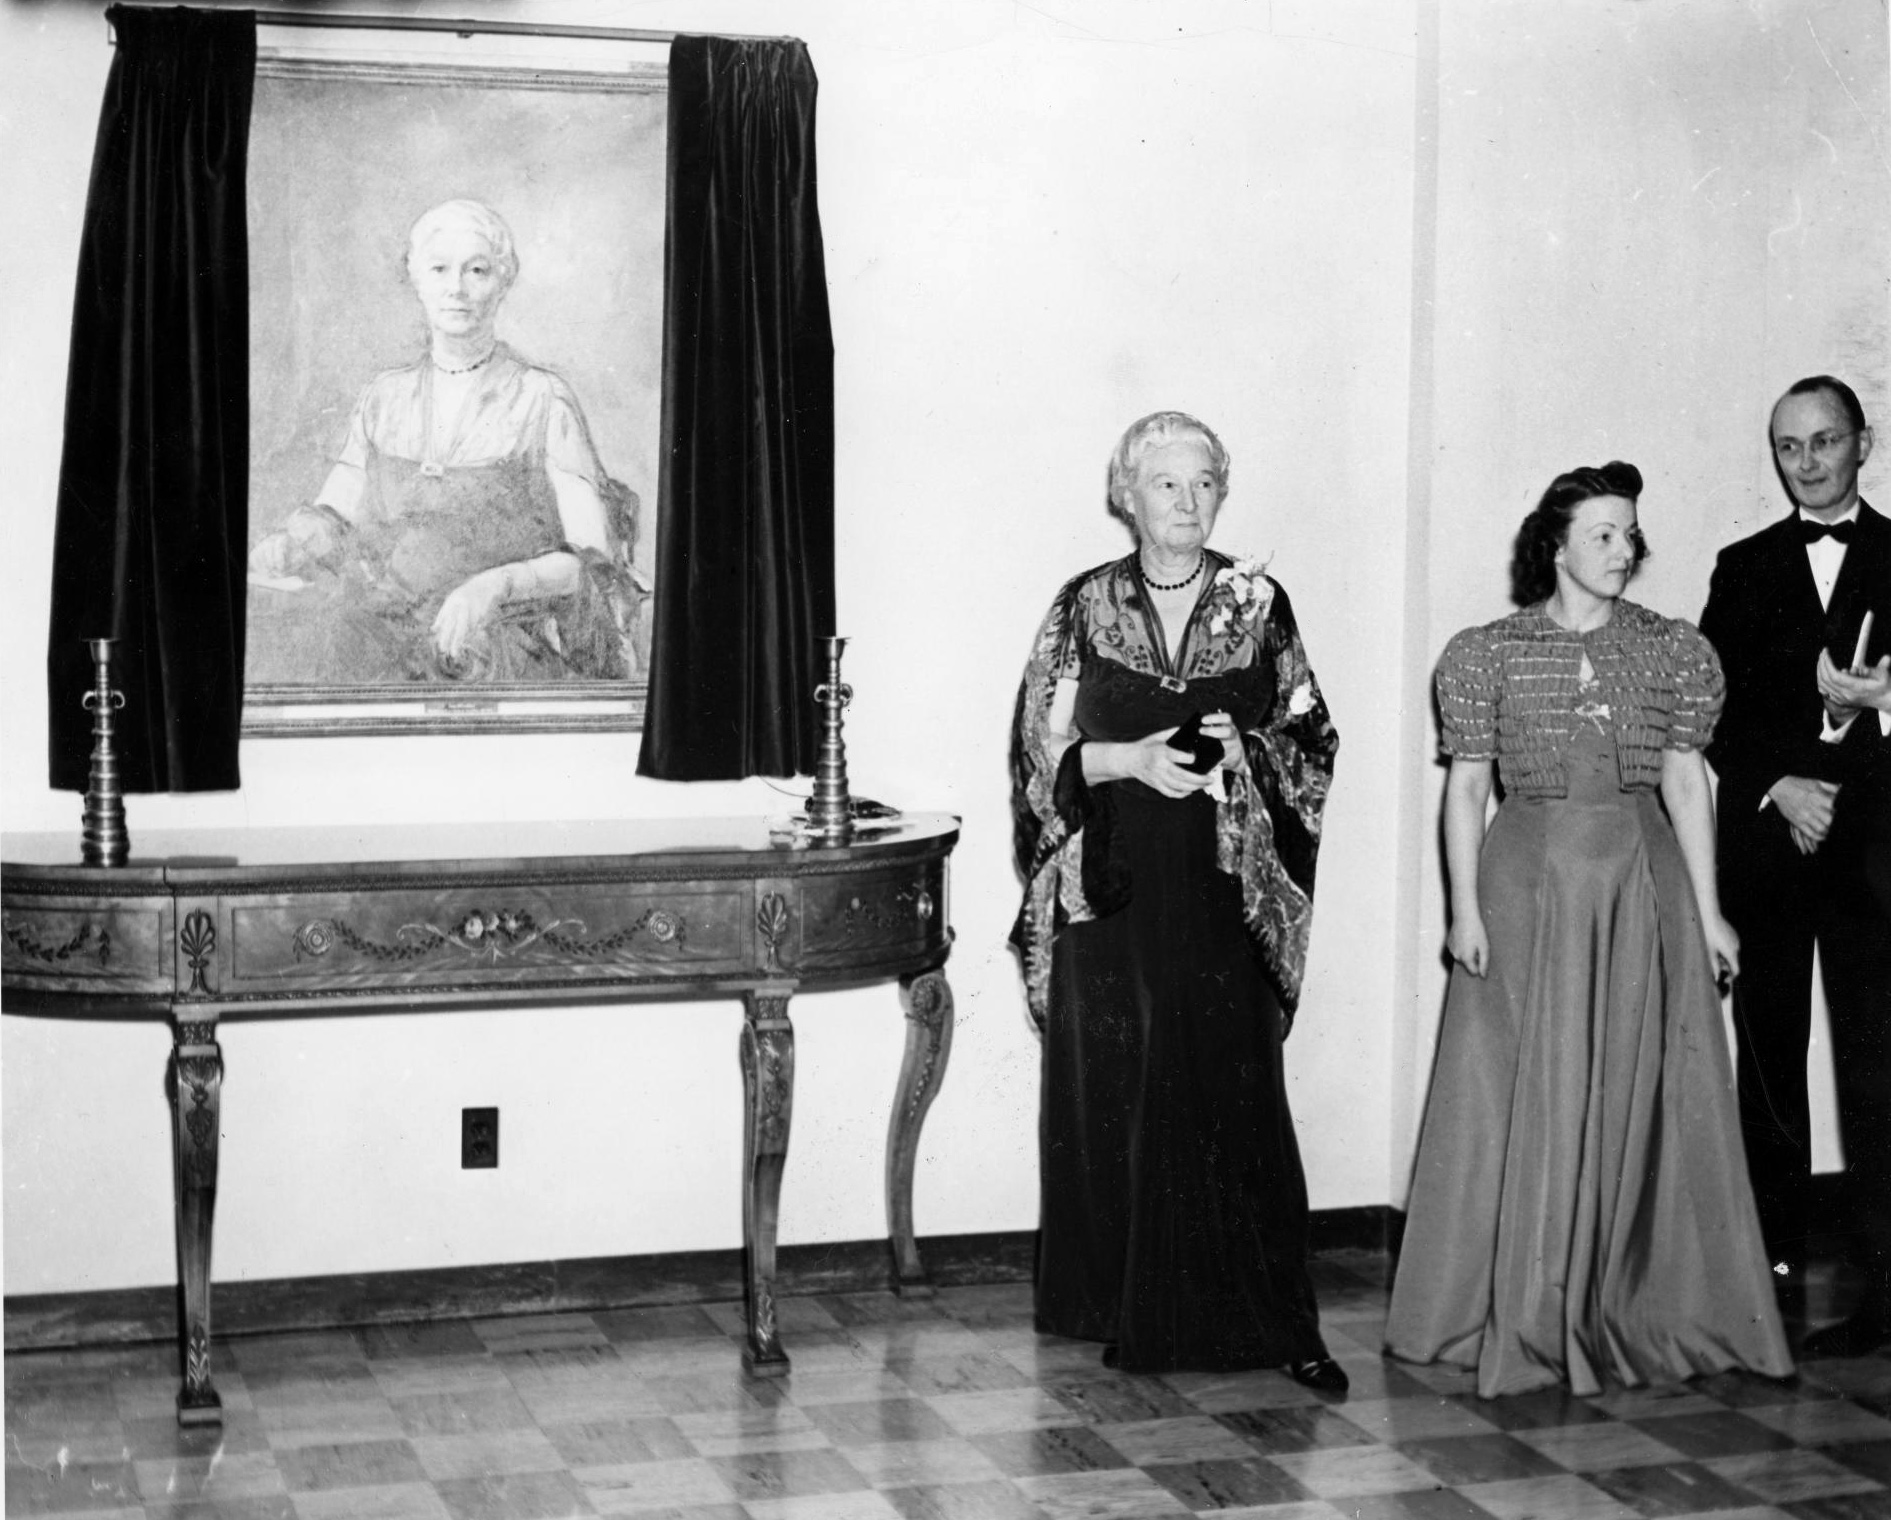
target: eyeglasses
<point>1820,445</point>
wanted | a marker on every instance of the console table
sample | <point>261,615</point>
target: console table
<point>202,926</point>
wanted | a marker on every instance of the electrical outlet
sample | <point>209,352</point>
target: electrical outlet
<point>479,1137</point>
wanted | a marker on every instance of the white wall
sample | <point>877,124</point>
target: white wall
<point>1651,218</point>
<point>1411,257</point>
<point>1041,223</point>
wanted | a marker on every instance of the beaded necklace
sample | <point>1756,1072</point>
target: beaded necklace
<point>1187,580</point>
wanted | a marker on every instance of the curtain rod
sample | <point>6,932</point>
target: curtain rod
<point>466,26</point>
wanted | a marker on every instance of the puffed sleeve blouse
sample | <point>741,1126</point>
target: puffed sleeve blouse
<point>1507,691</point>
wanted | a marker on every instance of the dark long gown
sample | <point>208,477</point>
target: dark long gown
<point>1174,1208</point>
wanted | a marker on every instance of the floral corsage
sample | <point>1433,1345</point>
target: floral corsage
<point>1241,595</point>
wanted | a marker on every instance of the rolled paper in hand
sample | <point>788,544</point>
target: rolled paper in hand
<point>1858,666</point>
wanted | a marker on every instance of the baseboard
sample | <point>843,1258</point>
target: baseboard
<point>125,1316</point>
<point>1362,1229</point>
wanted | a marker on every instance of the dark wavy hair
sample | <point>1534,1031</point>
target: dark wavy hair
<point>1546,529</point>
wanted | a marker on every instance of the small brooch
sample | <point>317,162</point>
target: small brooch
<point>1173,683</point>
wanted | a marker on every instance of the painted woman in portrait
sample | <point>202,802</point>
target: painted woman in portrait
<point>467,530</point>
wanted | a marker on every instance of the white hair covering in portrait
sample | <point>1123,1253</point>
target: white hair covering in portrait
<point>474,216</point>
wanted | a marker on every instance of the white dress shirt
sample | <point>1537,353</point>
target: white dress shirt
<point>1826,555</point>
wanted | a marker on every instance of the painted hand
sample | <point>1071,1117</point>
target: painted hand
<point>466,611</point>
<point>275,556</point>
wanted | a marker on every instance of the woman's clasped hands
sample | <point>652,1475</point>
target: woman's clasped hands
<point>1163,769</point>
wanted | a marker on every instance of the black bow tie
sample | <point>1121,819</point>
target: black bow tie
<point>1811,532</point>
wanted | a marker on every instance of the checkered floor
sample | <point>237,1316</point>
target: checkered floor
<point>946,1410</point>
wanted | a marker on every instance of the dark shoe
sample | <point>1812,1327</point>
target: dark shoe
<point>1322,1375</point>
<point>1862,1334</point>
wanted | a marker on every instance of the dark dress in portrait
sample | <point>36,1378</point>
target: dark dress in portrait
<point>428,519</point>
<point>1580,1210</point>
<point>1164,942</point>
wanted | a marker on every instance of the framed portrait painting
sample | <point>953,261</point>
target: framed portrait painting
<point>456,298</point>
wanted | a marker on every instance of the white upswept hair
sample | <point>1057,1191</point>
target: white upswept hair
<point>477,217</point>
<point>1152,432</point>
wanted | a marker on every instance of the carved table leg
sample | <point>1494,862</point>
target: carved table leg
<point>195,1088</point>
<point>767,1052</point>
<point>928,1004</point>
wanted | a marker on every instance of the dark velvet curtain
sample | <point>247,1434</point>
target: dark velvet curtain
<point>745,537</point>
<point>153,513</point>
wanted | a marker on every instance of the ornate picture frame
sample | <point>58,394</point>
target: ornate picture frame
<point>557,146</point>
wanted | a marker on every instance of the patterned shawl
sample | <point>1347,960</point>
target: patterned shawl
<point>1267,832</point>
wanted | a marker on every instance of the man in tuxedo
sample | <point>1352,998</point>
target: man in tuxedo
<point>1803,753</point>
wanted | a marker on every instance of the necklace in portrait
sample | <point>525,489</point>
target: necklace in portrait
<point>467,369</point>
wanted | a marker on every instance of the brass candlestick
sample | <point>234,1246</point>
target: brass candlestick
<point>104,840</point>
<point>830,809</point>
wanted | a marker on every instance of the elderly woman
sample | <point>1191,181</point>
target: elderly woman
<point>1580,1209</point>
<point>472,527</point>
<point>1164,933</point>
